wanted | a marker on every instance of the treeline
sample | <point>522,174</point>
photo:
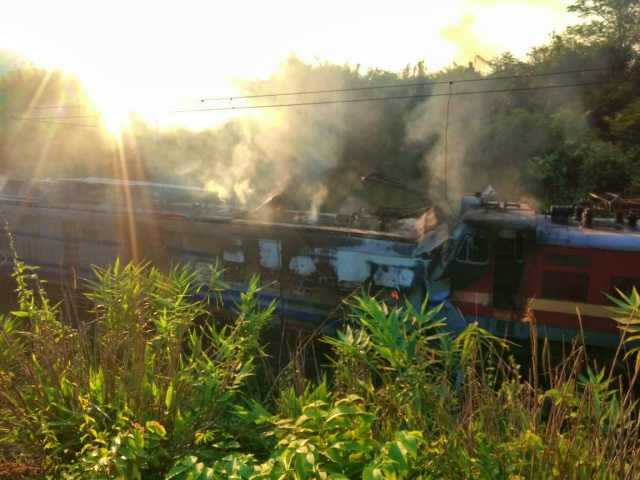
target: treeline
<point>524,138</point>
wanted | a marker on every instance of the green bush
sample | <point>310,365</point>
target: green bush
<point>142,383</point>
<point>153,386</point>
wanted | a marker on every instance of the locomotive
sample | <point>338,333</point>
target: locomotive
<point>504,263</point>
<point>495,263</point>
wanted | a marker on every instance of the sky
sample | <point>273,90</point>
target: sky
<point>148,56</point>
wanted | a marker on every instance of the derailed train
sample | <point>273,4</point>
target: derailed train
<point>491,264</point>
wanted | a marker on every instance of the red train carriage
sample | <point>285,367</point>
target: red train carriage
<point>504,260</point>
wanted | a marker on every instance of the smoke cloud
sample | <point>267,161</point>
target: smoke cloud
<point>488,139</point>
<point>315,155</point>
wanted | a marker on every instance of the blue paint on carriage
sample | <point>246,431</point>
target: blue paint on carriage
<point>48,270</point>
<point>287,308</point>
<point>522,331</point>
<point>625,240</point>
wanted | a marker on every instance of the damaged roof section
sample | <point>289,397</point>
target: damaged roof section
<point>106,194</point>
<point>412,218</point>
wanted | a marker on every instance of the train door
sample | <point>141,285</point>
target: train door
<point>508,269</point>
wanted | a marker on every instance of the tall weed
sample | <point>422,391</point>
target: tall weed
<point>152,386</point>
<point>148,378</point>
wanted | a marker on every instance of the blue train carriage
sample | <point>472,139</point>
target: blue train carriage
<point>308,262</point>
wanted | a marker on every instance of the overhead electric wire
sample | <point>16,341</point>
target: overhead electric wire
<point>54,121</point>
<point>365,88</point>
<point>61,106</point>
<point>339,101</point>
<point>384,98</point>
<point>56,117</point>
<point>403,85</point>
<point>383,179</point>
<point>354,100</point>
<point>69,124</point>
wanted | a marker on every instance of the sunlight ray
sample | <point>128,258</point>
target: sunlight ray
<point>122,173</point>
<point>38,93</point>
<point>50,132</point>
<point>19,124</point>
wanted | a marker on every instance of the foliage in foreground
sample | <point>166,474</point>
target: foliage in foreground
<point>153,386</point>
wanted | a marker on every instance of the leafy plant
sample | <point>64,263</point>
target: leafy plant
<point>152,386</point>
<point>152,376</point>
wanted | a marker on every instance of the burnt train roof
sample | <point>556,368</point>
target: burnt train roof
<point>45,194</point>
<point>604,235</point>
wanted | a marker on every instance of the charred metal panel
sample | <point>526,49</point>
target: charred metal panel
<point>375,261</point>
<point>393,277</point>
<point>302,265</point>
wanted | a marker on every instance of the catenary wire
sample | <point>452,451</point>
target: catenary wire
<point>335,101</point>
<point>384,98</point>
<point>403,85</point>
<point>370,87</point>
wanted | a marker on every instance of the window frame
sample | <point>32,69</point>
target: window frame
<point>465,246</point>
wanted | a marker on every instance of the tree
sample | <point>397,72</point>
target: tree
<point>615,22</point>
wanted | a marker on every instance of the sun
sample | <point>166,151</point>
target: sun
<point>115,122</point>
<point>111,107</point>
<point>117,106</point>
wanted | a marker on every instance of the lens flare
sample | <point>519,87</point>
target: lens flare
<point>114,122</point>
<point>111,106</point>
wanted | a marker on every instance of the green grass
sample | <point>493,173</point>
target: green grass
<point>153,386</point>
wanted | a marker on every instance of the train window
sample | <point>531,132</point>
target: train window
<point>202,243</point>
<point>90,233</point>
<point>572,286</point>
<point>270,254</point>
<point>575,261</point>
<point>234,272</point>
<point>624,284</point>
<point>14,187</point>
<point>234,262</point>
<point>510,244</point>
<point>474,249</point>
